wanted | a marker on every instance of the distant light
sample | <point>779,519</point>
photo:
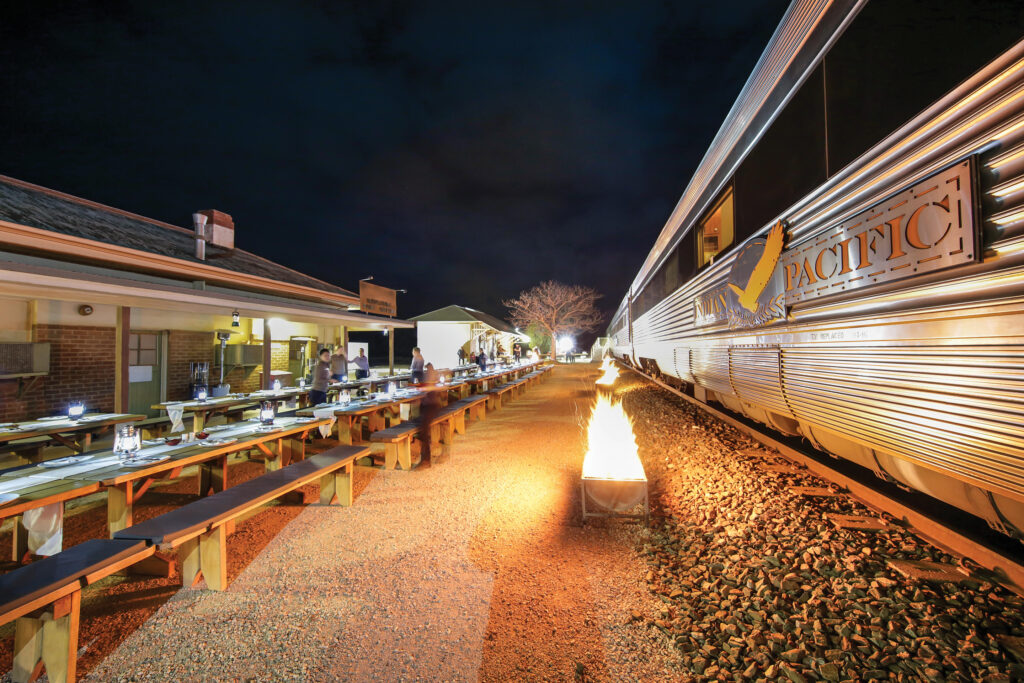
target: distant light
<point>565,343</point>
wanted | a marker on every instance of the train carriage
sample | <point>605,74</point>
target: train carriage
<point>847,262</point>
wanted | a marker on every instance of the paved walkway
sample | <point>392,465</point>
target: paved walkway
<point>473,568</point>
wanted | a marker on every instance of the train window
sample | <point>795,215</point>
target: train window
<point>687,262</point>
<point>897,58</point>
<point>787,162</point>
<point>715,230</point>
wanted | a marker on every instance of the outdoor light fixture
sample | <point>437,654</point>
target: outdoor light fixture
<point>127,442</point>
<point>267,412</point>
<point>385,331</point>
<point>234,319</point>
<point>76,410</point>
<point>201,394</point>
<point>277,385</point>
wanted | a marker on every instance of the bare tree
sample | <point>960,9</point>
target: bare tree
<point>557,309</point>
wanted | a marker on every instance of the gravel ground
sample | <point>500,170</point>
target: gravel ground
<point>756,582</point>
<point>473,568</point>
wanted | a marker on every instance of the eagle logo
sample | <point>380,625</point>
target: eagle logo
<point>762,272</point>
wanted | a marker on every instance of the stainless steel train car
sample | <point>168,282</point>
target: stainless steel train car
<point>847,262</point>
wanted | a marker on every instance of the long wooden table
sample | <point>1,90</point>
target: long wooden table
<point>378,413</point>
<point>38,486</point>
<point>202,410</point>
<point>75,434</point>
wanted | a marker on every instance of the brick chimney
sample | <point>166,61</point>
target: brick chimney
<point>215,227</point>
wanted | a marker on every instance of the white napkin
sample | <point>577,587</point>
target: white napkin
<point>320,414</point>
<point>175,413</point>
<point>45,526</point>
<point>18,483</point>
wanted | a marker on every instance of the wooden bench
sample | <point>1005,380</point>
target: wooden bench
<point>450,420</point>
<point>497,396</point>
<point>198,531</point>
<point>45,598</point>
<point>476,406</point>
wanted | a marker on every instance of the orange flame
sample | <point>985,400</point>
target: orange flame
<point>612,452</point>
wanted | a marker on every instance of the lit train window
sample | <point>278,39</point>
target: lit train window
<point>715,230</point>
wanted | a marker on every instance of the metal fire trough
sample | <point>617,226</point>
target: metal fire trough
<point>614,498</point>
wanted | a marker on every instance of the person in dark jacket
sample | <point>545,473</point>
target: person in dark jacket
<point>321,378</point>
<point>481,360</point>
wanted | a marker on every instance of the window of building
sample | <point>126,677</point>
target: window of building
<point>715,230</point>
<point>142,349</point>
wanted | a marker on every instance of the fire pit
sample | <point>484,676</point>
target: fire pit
<point>613,482</point>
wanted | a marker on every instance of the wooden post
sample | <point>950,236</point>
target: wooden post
<point>123,332</point>
<point>344,339</point>
<point>267,379</point>
<point>391,350</point>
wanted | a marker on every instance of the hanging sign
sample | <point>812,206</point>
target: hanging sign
<point>377,300</point>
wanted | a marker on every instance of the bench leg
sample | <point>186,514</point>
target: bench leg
<point>446,431</point>
<point>337,487</point>
<point>51,639</point>
<point>213,558</point>
<point>120,501</point>
<point>405,453</point>
<point>460,422</point>
<point>390,455</point>
<point>188,556</point>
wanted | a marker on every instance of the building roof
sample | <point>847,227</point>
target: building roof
<point>463,314</point>
<point>38,207</point>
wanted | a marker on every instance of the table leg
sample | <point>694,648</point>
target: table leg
<point>198,420</point>
<point>19,540</point>
<point>272,461</point>
<point>343,428</point>
<point>213,476</point>
<point>120,499</point>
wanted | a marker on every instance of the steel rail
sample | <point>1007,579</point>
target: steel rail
<point>1007,571</point>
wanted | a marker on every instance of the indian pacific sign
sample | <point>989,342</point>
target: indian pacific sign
<point>924,228</point>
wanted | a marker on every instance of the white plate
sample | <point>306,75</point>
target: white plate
<point>305,420</point>
<point>152,442</point>
<point>144,462</point>
<point>267,430</point>
<point>6,498</point>
<point>216,442</point>
<point>63,462</point>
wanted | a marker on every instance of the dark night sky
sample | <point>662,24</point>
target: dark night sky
<point>464,151</point>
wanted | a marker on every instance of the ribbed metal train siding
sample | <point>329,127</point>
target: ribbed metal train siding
<point>957,408</point>
<point>756,377</point>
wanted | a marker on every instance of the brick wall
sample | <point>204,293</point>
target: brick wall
<point>248,378</point>
<point>183,348</point>
<point>82,363</point>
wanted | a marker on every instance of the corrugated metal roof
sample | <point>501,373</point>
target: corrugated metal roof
<point>38,207</point>
<point>453,313</point>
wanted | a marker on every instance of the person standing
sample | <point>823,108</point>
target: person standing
<point>416,367</point>
<point>362,364</point>
<point>339,364</point>
<point>517,352</point>
<point>481,360</point>
<point>321,377</point>
<point>462,356</point>
<point>430,406</point>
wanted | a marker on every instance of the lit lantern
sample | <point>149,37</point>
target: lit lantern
<point>344,378</point>
<point>127,442</point>
<point>267,411</point>
<point>302,383</point>
<point>234,319</point>
<point>277,385</point>
<point>76,410</point>
<point>392,388</point>
<point>346,397</point>
<point>201,394</point>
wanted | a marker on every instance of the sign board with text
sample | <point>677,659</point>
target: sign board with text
<point>377,300</point>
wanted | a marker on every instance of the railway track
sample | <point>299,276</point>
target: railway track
<point>946,528</point>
